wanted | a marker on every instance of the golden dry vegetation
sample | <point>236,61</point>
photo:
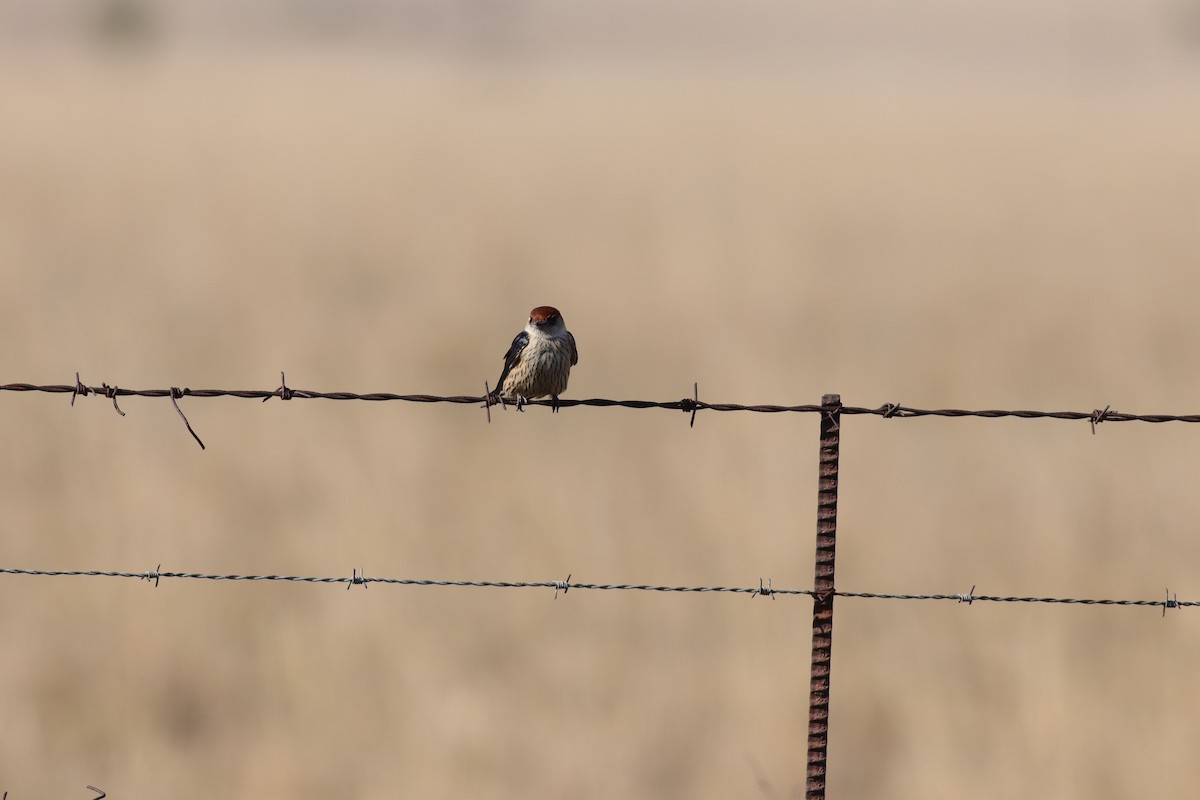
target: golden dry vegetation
<point>376,224</point>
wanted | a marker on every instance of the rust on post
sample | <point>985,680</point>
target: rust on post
<point>823,585</point>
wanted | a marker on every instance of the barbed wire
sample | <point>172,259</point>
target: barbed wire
<point>689,405</point>
<point>764,588</point>
<point>101,794</point>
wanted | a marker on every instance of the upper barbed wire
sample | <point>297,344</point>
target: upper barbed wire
<point>689,405</point>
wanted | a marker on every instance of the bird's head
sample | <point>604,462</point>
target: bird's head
<point>546,319</point>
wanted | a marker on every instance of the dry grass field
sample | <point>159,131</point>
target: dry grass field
<point>374,223</point>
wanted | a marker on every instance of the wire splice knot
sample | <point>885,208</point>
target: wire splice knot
<point>111,393</point>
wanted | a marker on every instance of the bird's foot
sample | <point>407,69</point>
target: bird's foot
<point>493,399</point>
<point>521,401</point>
<point>553,404</point>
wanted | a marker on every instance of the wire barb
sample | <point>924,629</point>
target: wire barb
<point>1099,416</point>
<point>564,586</point>
<point>761,591</point>
<point>80,389</point>
<point>691,404</point>
<point>176,393</point>
<point>487,401</point>
<point>969,597</point>
<point>1169,601</point>
<point>358,578</point>
<point>283,392</point>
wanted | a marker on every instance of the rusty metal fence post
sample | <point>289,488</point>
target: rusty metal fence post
<point>823,586</point>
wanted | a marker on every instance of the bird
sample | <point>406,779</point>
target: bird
<point>539,360</point>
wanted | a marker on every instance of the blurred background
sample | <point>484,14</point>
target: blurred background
<point>983,205</point>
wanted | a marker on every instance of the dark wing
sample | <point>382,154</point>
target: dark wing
<point>512,357</point>
<point>574,351</point>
